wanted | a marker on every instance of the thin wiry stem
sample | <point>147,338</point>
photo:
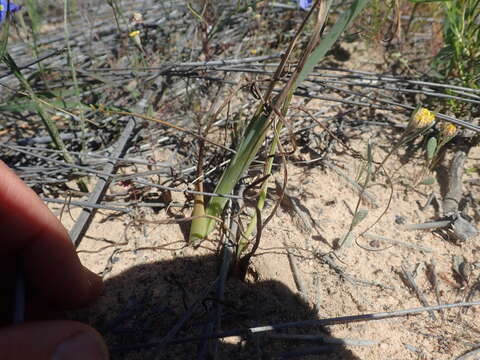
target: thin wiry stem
<point>315,322</point>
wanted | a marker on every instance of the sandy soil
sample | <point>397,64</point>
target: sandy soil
<point>152,277</point>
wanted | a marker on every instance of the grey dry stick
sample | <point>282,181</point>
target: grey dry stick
<point>86,216</point>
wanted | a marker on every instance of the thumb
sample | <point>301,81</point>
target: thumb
<point>52,340</point>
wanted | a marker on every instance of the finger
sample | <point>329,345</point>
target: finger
<point>29,230</point>
<point>36,309</point>
<point>55,340</point>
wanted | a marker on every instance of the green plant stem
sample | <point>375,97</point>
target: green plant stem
<point>82,181</point>
<point>256,130</point>
<point>262,195</point>
<point>46,119</point>
<point>406,137</point>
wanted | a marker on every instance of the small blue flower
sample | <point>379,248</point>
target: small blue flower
<point>7,6</point>
<point>305,4</point>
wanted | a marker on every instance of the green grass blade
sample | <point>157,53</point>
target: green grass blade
<point>247,150</point>
<point>40,109</point>
<point>256,130</point>
<point>330,38</point>
<point>3,37</point>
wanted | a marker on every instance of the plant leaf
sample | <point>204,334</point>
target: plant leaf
<point>330,38</point>
<point>359,217</point>
<point>428,181</point>
<point>431,147</point>
<point>258,125</point>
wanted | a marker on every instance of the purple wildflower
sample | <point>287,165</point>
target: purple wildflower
<point>7,7</point>
<point>305,4</point>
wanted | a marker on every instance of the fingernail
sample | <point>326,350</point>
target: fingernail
<point>81,346</point>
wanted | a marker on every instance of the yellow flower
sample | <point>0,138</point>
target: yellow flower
<point>134,34</point>
<point>448,130</point>
<point>422,118</point>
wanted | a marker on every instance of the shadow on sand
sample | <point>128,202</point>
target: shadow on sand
<point>143,304</point>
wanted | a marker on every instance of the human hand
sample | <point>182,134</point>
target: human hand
<point>34,242</point>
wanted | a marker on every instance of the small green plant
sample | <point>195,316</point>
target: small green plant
<point>434,145</point>
<point>37,103</point>
<point>421,120</point>
<point>459,59</point>
<point>270,114</point>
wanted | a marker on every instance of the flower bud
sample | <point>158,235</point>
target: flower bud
<point>135,36</point>
<point>448,130</point>
<point>422,118</point>
<point>136,19</point>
